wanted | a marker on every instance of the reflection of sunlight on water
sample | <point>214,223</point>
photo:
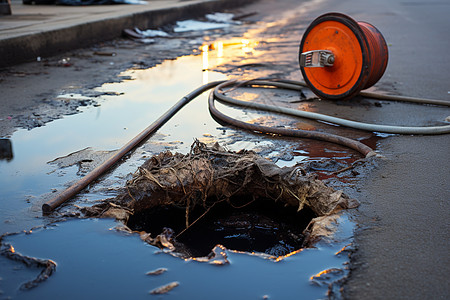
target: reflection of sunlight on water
<point>223,52</point>
<point>220,52</point>
<point>248,46</point>
<point>246,96</point>
<point>161,86</point>
<point>205,63</point>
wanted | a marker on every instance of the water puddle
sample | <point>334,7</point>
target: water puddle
<point>94,261</point>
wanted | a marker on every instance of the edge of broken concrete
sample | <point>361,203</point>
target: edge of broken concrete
<point>24,48</point>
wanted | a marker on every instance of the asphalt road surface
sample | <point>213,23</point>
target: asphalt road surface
<point>402,244</point>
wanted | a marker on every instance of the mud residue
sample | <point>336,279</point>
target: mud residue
<point>86,159</point>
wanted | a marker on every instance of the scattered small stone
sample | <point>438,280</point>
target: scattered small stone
<point>158,271</point>
<point>102,53</point>
<point>165,288</point>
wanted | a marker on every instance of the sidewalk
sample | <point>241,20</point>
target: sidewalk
<point>45,30</point>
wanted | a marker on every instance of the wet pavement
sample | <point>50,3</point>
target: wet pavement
<point>399,236</point>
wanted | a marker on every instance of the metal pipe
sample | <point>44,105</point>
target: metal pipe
<point>74,189</point>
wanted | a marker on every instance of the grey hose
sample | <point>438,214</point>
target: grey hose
<point>296,85</point>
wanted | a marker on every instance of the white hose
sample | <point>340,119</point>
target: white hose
<point>296,85</point>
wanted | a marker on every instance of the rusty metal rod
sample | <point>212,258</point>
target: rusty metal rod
<point>74,189</point>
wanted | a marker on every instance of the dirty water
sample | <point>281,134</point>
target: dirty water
<point>116,264</point>
<point>95,261</point>
<point>261,226</point>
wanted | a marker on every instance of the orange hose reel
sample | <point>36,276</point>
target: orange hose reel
<point>339,57</point>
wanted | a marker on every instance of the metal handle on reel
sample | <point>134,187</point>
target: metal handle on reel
<point>317,59</point>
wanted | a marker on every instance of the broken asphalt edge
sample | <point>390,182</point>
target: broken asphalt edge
<point>25,48</point>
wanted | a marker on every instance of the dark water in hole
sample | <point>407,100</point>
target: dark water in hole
<point>261,226</point>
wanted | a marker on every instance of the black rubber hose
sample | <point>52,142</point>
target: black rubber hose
<point>316,135</point>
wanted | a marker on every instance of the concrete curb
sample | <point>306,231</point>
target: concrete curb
<point>28,47</point>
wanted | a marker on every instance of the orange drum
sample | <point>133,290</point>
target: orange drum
<point>339,57</point>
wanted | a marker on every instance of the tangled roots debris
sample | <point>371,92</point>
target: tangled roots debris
<point>48,266</point>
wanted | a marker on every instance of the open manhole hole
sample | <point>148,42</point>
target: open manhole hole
<point>241,224</point>
<point>240,200</point>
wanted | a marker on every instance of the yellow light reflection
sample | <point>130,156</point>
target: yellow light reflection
<point>246,96</point>
<point>279,258</point>
<point>321,273</point>
<point>342,249</point>
<point>248,46</point>
<point>208,140</point>
<point>219,49</point>
<point>217,53</point>
<point>12,249</point>
<point>245,46</point>
<point>205,63</point>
